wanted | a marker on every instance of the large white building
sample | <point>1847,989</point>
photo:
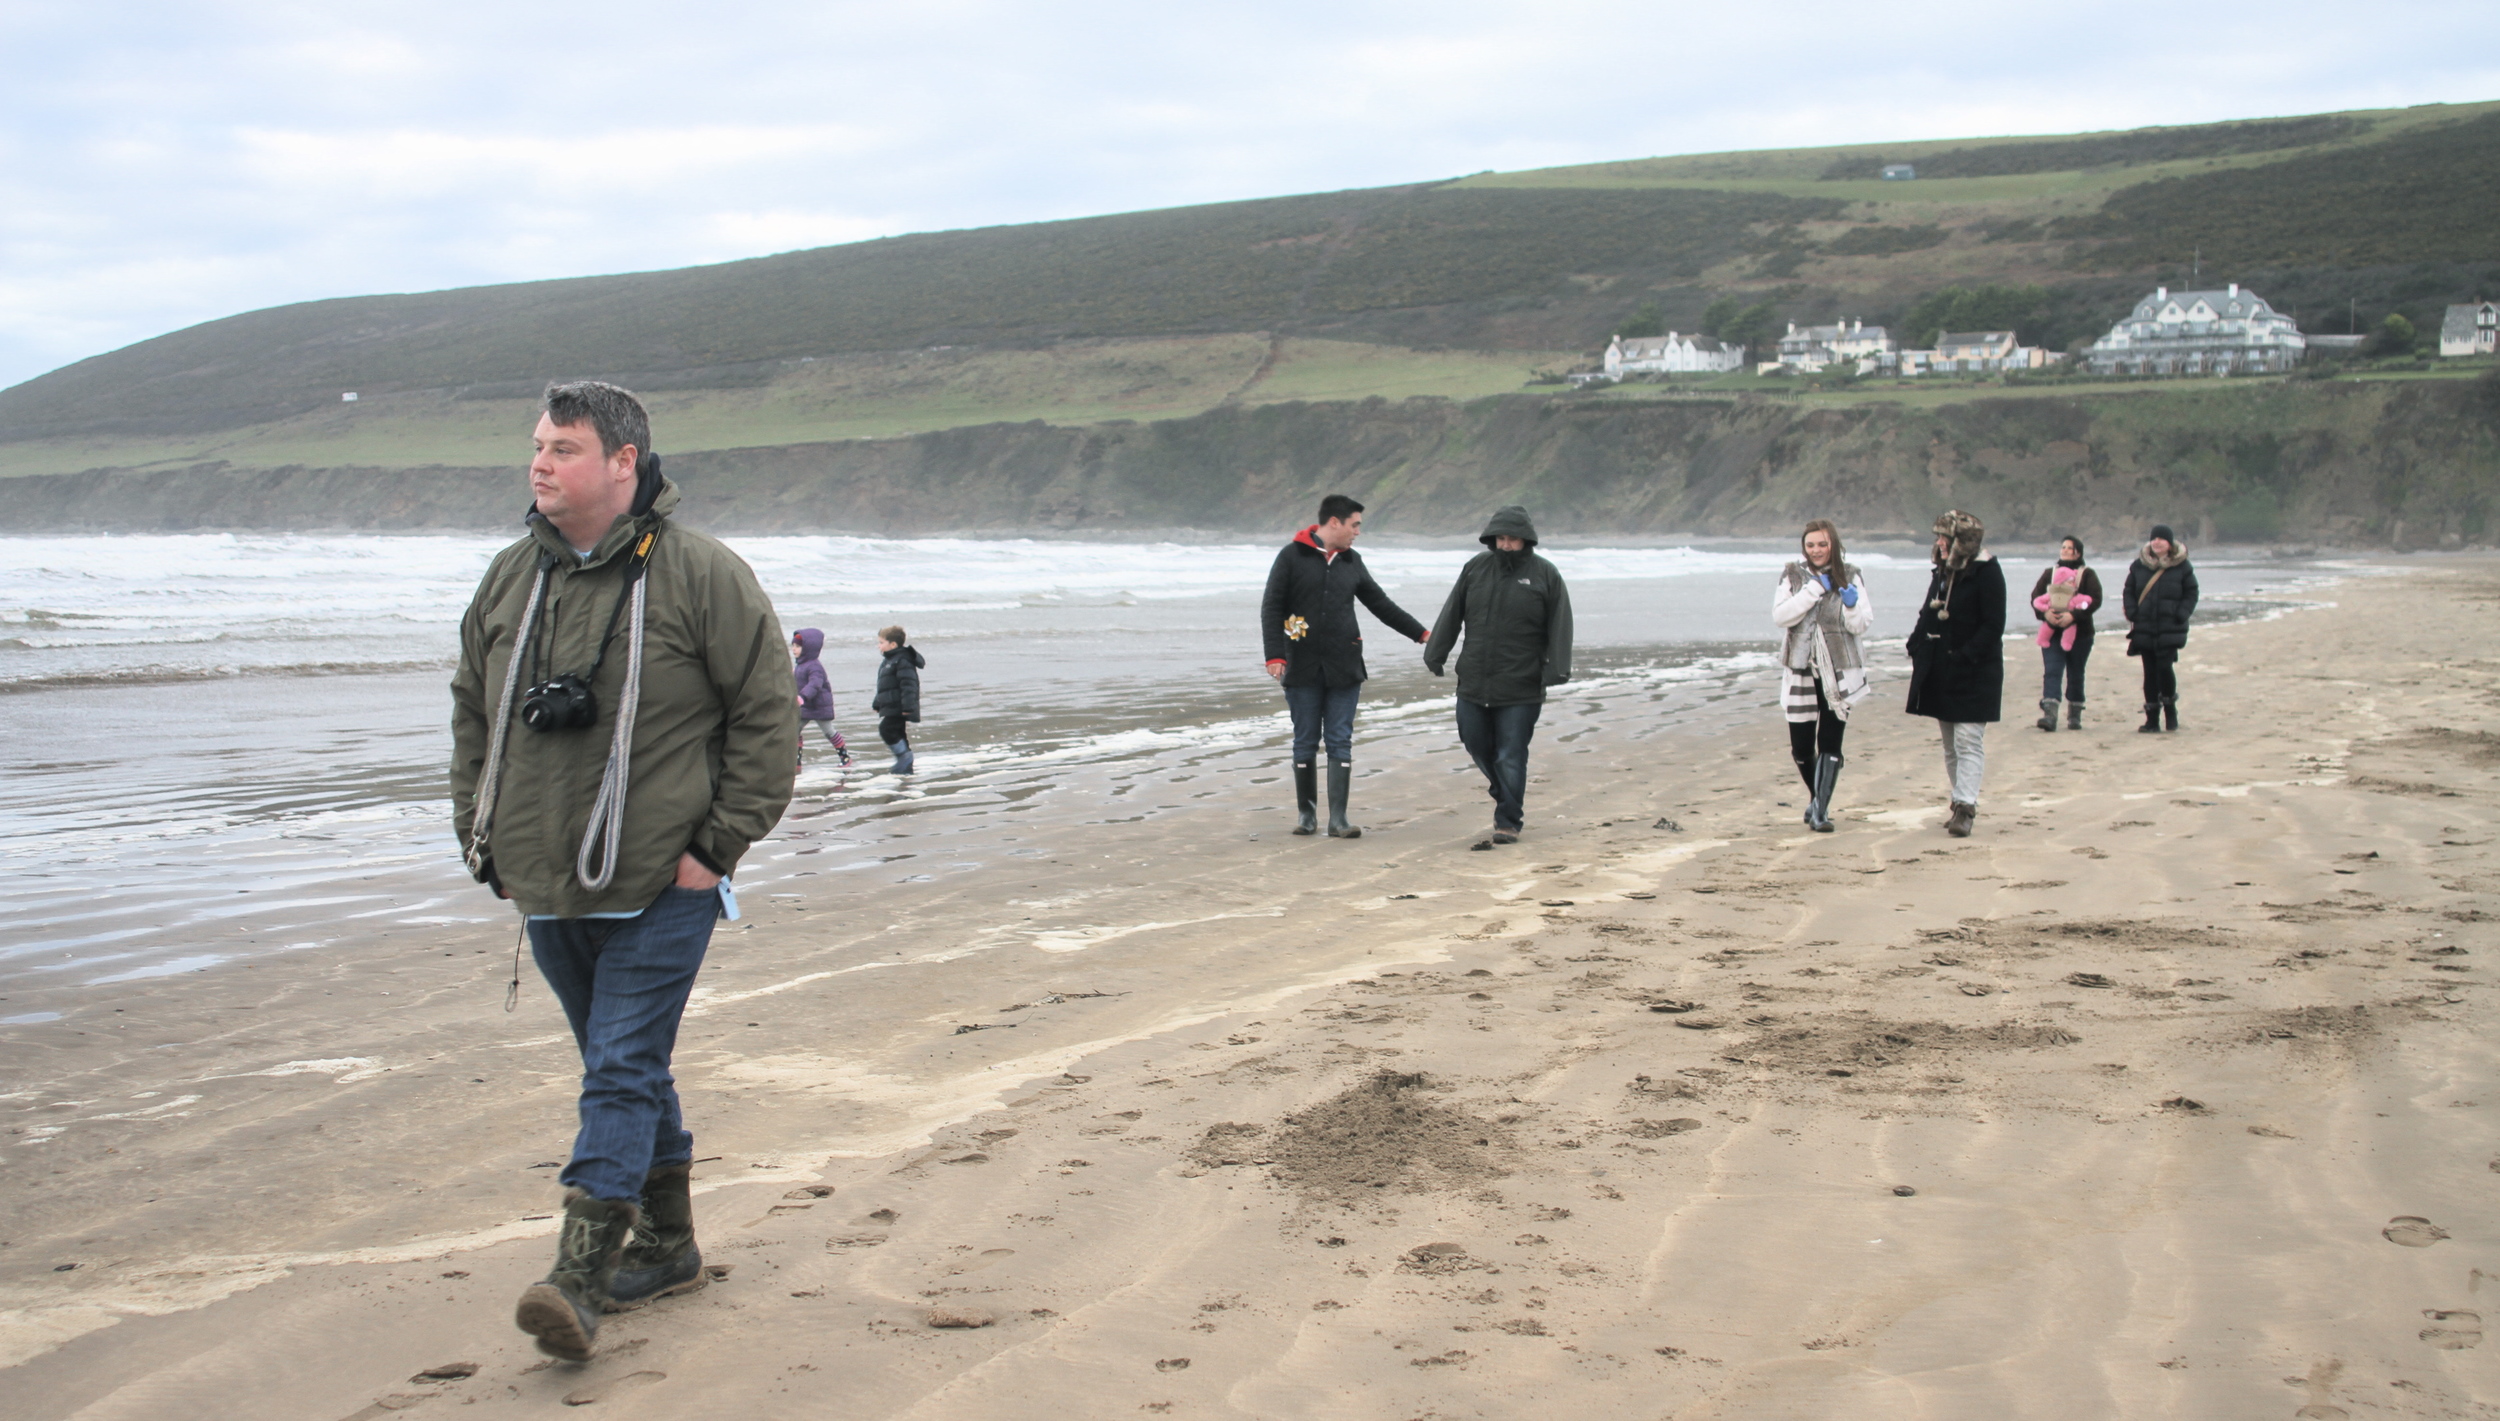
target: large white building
<point>1807,349</point>
<point>2226,332</point>
<point>1670,354</point>
<point>2471,330</point>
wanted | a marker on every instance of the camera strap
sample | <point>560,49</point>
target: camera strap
<point>607,813</point>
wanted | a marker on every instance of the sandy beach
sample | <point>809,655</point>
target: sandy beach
<point>2169,1093</point>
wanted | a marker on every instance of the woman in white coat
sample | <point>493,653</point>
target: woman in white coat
<point>1820,605</point>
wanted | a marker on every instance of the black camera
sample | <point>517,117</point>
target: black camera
<point>561,703</point>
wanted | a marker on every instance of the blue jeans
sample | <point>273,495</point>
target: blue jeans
<point>1323,709</point>
<point>624,983</point>
<point>1497,738</point>
<point>2058,664</point>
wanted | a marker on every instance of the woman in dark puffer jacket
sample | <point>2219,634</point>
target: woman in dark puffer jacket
<point>2160,599</point>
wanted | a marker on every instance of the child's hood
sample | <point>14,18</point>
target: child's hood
<point>911,651</point>
<point>811,641</point>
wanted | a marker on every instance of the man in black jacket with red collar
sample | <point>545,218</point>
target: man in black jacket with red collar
<point>1315,648</point>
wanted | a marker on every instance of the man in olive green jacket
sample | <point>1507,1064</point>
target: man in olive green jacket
<point>608,785</point>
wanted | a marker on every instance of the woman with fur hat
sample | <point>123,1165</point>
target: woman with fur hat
<point>1822,606</point>
<point>1957,658</point>
<point>2063,600</point>
<point>2160,597</point>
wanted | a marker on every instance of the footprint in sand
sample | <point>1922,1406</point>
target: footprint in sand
<point>2412,1231</point>
<point>2452,1330</point>
<point>602,1390</point>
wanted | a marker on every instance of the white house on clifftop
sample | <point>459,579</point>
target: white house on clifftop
<point>1670,354</point>
<point>2232,331</point>
<point>2471,330</point>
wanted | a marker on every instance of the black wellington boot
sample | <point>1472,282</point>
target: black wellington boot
<point>661,1260</point>
<point>1340,790</point>
<point>2170,712</point>
<point>2074,715</point>
<point>563,1311</point>
<point>2152,719</point>
<point>1306,798</point>
<point>2048,715</point>
<point>1805,771</point>
<point>1826,777</point>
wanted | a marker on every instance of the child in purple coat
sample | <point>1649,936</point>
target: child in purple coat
<point>815,691</point>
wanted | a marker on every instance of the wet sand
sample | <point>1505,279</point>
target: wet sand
<point>2121,1107</point>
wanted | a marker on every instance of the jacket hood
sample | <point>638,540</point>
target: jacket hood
<point>2178,555</point>
<point>1508,521</point>
<point>911,651</point>
<point>811,641</point>
<point>1309,538</point>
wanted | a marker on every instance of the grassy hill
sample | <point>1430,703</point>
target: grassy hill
<point>1455,289</point>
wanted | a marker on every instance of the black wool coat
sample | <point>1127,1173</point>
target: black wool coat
<point>1957,661</point>
<point>2158,619</point>
<point>1306,583</point>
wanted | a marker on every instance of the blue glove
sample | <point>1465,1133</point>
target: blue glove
<point>1849,595</point>
<point>1825,578</point>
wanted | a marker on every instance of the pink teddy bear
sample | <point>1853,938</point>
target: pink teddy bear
<point>2061,597</point>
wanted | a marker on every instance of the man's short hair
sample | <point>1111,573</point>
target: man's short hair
<point>610,409</point>
<point>1336,507</point>
<point>892,636</point>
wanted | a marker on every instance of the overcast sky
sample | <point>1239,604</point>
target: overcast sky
<point>166,164</point>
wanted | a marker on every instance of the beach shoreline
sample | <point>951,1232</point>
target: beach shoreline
<point>2110,1044</point>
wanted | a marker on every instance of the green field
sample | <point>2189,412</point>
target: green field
<point>833,397</point>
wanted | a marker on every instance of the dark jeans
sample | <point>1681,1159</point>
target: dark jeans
<point>623,983</point>
<point>2161,676</point>
<point>2057,664</point>
<point>1497,738</point>
<point>1323,709</point>
<point>1819,736</point>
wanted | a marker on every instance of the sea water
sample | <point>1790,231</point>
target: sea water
<point>215,747</point>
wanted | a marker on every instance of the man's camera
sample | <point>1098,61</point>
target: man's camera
<point>561,703</point>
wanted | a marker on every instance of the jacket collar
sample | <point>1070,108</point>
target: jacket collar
<point>620,535</point>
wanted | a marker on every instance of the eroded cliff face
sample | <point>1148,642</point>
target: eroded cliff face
<point>2415,464</point>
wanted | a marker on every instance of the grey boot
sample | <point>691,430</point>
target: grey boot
<point>902,755</point>
<point>2048,715</point>
<point>1306,798</point>
<point>1826,777</point>
<point>1964,817</point>
<point>2074,715</point>
<point>662,1259</point>
<point>563,1311</point>
<point>1340,790</point>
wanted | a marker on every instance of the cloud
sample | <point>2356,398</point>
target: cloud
<point>162,164</point>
